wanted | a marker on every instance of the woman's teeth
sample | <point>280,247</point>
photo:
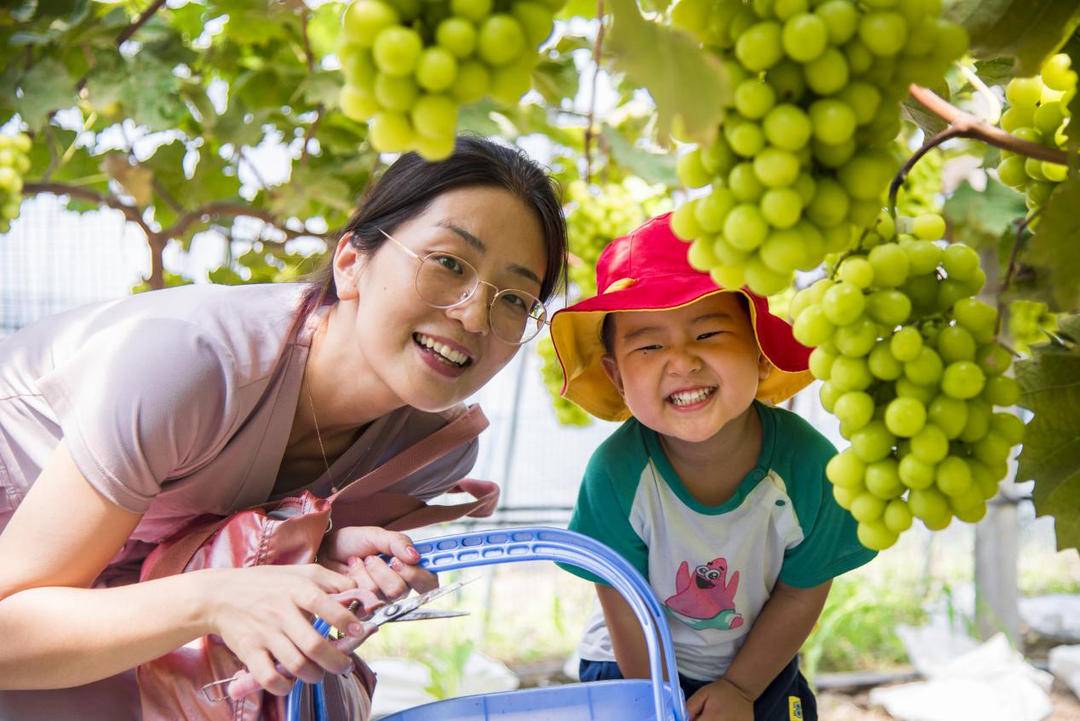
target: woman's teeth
<point>687,398</point>
<point>442,350</point>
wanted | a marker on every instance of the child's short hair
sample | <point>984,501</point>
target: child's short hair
<point>607,328</point>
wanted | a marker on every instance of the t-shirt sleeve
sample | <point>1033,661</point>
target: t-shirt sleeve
<point>602,512</point>
<point>141,402</point>
<point>829,547</point>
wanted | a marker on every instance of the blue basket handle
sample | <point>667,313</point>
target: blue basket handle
<point>513,545</point>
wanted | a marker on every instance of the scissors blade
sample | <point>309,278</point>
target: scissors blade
<point>395,610</point>
<point>423,615</point>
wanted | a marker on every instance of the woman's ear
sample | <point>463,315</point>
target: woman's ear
<point>611,369</point>
<point>348,262</point>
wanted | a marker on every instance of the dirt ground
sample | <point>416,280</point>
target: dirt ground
<point>834,706</point>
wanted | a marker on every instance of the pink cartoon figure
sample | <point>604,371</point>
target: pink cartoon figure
<point>708,597</point>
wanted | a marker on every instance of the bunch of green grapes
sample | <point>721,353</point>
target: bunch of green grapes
<point>803,157</point>
<point>14,162</point>
<point>567,412</point>
<point>1030,322</point>
<point>912,370</point>
<point>409,64</point>
<point>1038,112</point>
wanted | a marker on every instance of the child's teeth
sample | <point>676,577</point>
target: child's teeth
<point>685,399</point>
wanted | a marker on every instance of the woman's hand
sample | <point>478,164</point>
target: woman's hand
<point>263,614</point>
<point>720,701</point>
<point>355,551</point>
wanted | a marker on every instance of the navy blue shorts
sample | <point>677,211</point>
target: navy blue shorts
<point>787,698</point>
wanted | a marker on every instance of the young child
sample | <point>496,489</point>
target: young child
<point>716,496</point>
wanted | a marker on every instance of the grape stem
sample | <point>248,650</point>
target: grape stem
<point>597,45</point>
<point>1022,225</point>
<point>966,125</point>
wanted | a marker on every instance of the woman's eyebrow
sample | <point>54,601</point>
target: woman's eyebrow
<point>481,247</point>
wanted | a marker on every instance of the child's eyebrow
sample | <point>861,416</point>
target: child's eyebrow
<point>718,315</point>
<point>644,330</point>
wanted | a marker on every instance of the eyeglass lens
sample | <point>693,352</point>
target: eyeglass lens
<point>445,280</point>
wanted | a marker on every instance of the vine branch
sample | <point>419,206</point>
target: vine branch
<point>597,46</point>
<point>133,28</point>
<point>1021,227</point>
<point>966,125</point>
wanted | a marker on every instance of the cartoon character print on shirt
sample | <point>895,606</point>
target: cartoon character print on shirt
<point>706,599</point>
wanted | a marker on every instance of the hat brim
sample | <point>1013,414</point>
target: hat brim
<point>576,334</point>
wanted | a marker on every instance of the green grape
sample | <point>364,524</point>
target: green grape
<point>785,9</point>
<point>847,373</point>
<point>925,369</point>
<point>691,171</point>
<point>776,168</point>
<point>882,363</point>
<point>357,103</point>
<point>872,442</point>
<point>833,121</point>
<point>914,473</point>
<point>948,414</point>
<point>745,228</point>
<point>1008,427</point>
<point>843,303</point>
<point>365,19</point>
<point>963,380</point>
<point>992,449</point>
<point>841,19</point>
<point>435,116</point>
<point>960,261</point>
<point>866,174</point>
<point>434,148</point>
<point>857,271</point>
<point>923,256</point>
<point>883,479</point>
<point>954,343</point>
<point>472,83</point>
<point>888,307</point>
<point>475,10</point>
<point>930,506</point>
<point>906,344</point>
<point>457,35</point>
<point>930,444</point>
<point>845,496</point>
<point>760,46</point>
<point>745,138</point>
<point>978,420</point>
<point>828,73</point>
<point>787,127</point>
<point>786,77</point>
<point>783,250</point>
<point>890,264</point>
<point>897,516</point>
<point>883,33</point>
<point>906,389</point>
<point>510,82</point>
<point>436,70</point>
<point>744,183</point>
<point>391,132</point>
<point>856,339</point>
<point>821,360</point>
<point>501,40</point>
<point>854,409</point>
<point>905,417</point>
<point>711,210</point>
<point>875,535</point>
<point>701,256</point>
<point>804,37</point>
<point>1056,73</point>
<point>984,479</point>
<point>953,476</point>
<point>395,93</point>
<point>1025,92</point>
<point>928,226</point>
<point>829,205</point>
<point>536,20</point>
<point>867,507</point>
<point>397,50</point>
<point>781,207</point>
<point>1001,391</point>
<point>845,470</point>
<point>754,98</point>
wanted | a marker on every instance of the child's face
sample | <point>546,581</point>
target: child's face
<point>687,372</point>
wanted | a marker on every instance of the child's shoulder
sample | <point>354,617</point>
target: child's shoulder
<point>623,454</point>
<point>796,435</point>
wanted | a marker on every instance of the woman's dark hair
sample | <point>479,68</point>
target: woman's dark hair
<point>411,183</point>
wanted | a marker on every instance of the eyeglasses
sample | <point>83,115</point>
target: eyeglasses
<point>443,280</point>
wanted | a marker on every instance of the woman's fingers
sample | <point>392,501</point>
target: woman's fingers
<point>390,584</point>
<point>369,541</point>
<point>262,667</point>
<point>314,645</point>
<point>290,660</point>
<point>418,578</point>
<point>329,580</point>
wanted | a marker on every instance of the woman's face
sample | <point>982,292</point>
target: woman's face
<point>432,358</point>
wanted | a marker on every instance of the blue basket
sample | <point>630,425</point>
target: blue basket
<point>647,700</point>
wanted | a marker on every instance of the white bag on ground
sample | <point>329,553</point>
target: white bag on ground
<point>1056,616</point>
<point>991,682</point>
<point>1065,665</point>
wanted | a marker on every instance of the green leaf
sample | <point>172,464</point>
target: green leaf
<point>153,94</point>
<point>688,84</point>
<point>1052,250</point>
<point>47,87</point>
<point>977,216</point>
<point>323,86</point>
<point>1028,30</point>
<point>324,28</point>
<point>556,79</point>
<point>651,167</point>
<point>997,71</point>
<point>1050,381</point>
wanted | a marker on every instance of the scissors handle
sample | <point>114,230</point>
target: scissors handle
<point>244,683</point>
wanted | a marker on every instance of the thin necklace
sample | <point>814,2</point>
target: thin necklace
<point>318,435</point>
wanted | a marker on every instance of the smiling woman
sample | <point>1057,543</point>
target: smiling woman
<point>122,422</point>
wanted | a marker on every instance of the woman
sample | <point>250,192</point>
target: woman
<point>120,422</point>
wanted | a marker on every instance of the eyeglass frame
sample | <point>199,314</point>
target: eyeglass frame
<point>421,259</point>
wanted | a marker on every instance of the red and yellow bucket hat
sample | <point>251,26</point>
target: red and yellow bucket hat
<point>648,270</point>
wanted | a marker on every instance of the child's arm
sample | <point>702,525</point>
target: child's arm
<point>627,639</point>
<point>779,631</point>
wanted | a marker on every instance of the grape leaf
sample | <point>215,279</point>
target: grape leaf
<point>1052,250</point>
<point>978,216</point>
<point>688,84</point>
<point>1051,455</point>
<point>1028,30</point>
<point>651,167</point>
<point>47,87</point>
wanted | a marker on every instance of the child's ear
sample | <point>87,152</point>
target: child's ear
<point>764,367</point>
<point>611,369</point>
<point>348,262</point>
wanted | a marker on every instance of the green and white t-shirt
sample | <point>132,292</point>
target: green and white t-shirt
<point>713,567</point>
